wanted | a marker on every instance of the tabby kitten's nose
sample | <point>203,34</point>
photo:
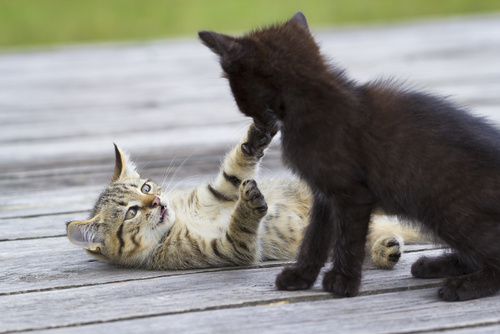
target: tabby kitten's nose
<point>155,202</point>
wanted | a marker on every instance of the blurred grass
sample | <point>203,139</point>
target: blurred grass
<point>44,22</point>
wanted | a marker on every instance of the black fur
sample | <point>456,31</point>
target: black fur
<point>362,147</point>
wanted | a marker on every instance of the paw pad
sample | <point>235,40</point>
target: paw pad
<point>386,252</point>
<point>250,193</point>
<point>258,140</point>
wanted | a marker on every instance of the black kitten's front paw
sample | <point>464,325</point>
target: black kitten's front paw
<point>258,140</point>
<point>250,193</point>
<point>293,279</point>
<point>340,284</point>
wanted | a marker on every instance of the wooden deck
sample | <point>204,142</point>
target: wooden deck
<point>164,101</point>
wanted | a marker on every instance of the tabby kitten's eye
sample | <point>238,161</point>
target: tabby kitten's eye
<point>146,188</point>
<point>131,213</point>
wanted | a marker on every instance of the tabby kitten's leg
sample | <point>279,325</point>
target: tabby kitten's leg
<point>242,235</point>
<point>241,163</point>
<point>313,250</point>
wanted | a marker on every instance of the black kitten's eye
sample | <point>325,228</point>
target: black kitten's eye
<point>146,188</point>
<point>131,213</point>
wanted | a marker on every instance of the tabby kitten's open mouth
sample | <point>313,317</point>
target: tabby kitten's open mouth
<point>163,213</point>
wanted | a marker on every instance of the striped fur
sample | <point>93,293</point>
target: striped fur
<point>228,222</point>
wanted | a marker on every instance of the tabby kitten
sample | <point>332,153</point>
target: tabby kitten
<point>135,223</point>
<point>367,146</point>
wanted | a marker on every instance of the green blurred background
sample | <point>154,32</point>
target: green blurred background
<point>46,22</point>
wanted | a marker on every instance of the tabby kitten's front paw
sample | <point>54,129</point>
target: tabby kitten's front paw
<point>340,284</point>
<point>250,193</point>
<point>386,252</point>
<point>258,140</point>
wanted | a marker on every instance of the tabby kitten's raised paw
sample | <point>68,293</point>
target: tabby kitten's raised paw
<point>250,193</point>
<point>258,140</point>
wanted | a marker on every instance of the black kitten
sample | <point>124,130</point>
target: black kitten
<point>363,147</point>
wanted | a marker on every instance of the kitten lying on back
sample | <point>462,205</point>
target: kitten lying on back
<point>228,222</point>
<point>362,147</point>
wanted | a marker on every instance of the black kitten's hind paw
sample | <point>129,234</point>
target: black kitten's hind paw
<point>468,287</point>
<point>292,279</point>
<point>425,268</point>
<point>440,266</point>
<point>340,284</point>
<point>258,140</point>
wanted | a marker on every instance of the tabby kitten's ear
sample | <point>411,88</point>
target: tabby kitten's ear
<point>300,19</point>
<point>124,167</point>
<point>84,234</point>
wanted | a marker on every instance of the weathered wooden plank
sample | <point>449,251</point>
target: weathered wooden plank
<point>65,190</point>
<point>36,227</point>
<point>417,311</point>
<point>129,71</point>
<point>137,79</point>
<point>55,263</point>
<point>190,140</point>
<point>191,112</point>
<point>49,202</point>
<point>165,97</point>
<point>96,170</point>
<point>175,294</point>
<point>94,167</point>
<point>486,328</point>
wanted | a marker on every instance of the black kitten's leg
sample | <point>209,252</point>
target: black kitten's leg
<point>351,228</point>
<point>451,264</point>
<point>313,251</point>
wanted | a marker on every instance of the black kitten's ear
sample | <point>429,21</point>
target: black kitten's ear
<point>300,19</point>
<point>219,43</point>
